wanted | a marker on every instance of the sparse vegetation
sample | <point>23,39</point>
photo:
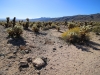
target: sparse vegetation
<point>41,37</point>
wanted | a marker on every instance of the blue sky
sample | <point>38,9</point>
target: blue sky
<point>47,8</point>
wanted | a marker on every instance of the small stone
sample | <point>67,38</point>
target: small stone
<point>38,72</point>
<point>15,51</point>
<point>2,55</point>
<point>54,49</point>
<point>38,63</point>
<point>23,64</point>
<point>22,47</point>
<point>60,46</point>
<point>11,57</point>
<point>29,60</point>
<point>27,51</point>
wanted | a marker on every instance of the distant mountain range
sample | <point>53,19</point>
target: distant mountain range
<point>93,17</point>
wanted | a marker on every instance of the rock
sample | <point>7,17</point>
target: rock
<point>29,60</point>
<point>22,47</point>
<point>60,46</point>
<point>2,55</point>
<point>23,64</point>
<point>11,56</point>
<point>54,49</point>
<point>38,63</point>
<point>38,72</point>
<point>27,51</point>
<point>15,51</point>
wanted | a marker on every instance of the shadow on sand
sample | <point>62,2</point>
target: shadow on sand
<point>87,45</point>
<point>17,41</point>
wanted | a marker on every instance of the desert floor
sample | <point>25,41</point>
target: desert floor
<point>62,59</point>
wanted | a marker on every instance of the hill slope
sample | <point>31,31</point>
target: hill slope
<point>93,17</point>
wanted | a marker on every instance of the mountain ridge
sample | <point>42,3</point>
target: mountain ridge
<point>92,17</point>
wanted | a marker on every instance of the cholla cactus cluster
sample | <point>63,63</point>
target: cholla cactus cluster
<point>15,31</point>
<point>74,29</point>
<point>77,34</point>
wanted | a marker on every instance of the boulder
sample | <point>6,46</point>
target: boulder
<point>38,63</point>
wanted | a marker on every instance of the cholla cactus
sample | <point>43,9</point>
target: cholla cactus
<point>15,31</point>
<point>86,28</point>
<point>71,25</point>
<point>35,29</point>
<point>18,30</point>
<point>72,37</point>
<point>10,31</point>
<point>27,24</point>
<point>8,19</point>
<point>14,21</point>
<point>53,25</point>
<point>65,23</point>
<point>58,28</point>
<point>27,19</point>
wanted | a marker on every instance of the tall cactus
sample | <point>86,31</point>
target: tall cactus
<point>27,23</point>
<point>14,21</point>
<point>8,19</point>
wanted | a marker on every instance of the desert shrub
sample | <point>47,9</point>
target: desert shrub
<point>53,25</point>
<point>2,23</point>
<point>39,24</point>
<point>15,31</point>
<point>96,29</point>
<point>35,29</point>
<point>14,21</point>
<point>31,24</point>
<point>58,28</point>
<point>7,22</point>
<point>46,27</point>
<point>26,25</point>
<point>75,35</point>
<point>71,25</point>
<point>18,30</point>
<point>10,31</point>
<point>70,33</point>
<point>87,28</point>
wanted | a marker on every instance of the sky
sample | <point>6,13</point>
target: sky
<point>22,9</point>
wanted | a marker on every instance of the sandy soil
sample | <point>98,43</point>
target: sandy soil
<point>62,59</point>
